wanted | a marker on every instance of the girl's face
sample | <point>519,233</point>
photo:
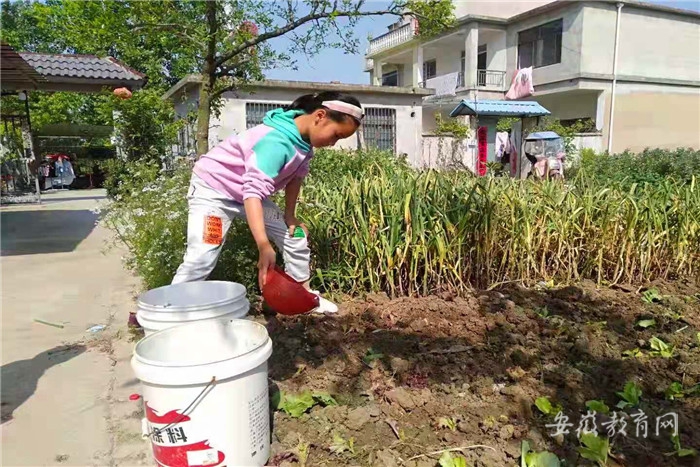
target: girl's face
<point>324,131</point>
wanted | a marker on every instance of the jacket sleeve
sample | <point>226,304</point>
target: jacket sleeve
<point>268,157</point>
<point>303,169</point>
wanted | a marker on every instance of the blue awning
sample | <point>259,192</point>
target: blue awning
<point>500,108</point>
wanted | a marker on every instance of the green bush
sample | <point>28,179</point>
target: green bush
<point>378,225</point>
<point>650,166</point>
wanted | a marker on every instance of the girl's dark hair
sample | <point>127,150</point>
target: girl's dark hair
<point>311,102</point>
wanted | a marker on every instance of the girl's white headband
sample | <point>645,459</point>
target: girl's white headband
<point>344,107</point>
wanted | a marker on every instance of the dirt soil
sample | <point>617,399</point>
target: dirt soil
<point>396,367</point>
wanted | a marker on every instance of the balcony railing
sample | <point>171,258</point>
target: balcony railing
<point>394,38</point>
<point>491,79</point>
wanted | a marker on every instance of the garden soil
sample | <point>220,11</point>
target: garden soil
<point>416,376</point>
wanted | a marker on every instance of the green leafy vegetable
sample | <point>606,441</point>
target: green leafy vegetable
<point>341,445</point>
<point>630,395</point>
<point>660,348</point>
<point>545,406</point>
<point>679,451</point>
<point>634,353</point>
<point>594,448</point>
<point>448,460</point>
<point>530,458</point>
<point>651,296</point>
<point>297,405</point>
<point>598,406</point>
<point>645,323</point>
<point>449,423</point>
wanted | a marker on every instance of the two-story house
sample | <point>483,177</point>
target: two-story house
<point>631,67</point>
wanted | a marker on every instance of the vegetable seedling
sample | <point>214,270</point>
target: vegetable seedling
<point>530,458</point>
<point>679,451</point>
<point>594,448</point>
<point>297,405</point>
<point>341,445</point>
<point>630,395</point>
<point>646,323</point>
<point>371,356</point>
<point>651,296</point>
<point>660,348</point>
<point>598,406</point>
<point>449,423</point>
<point>545,406</point>
<point>448,460</point>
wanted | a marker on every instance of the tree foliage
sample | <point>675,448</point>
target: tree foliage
<point>227,42</point>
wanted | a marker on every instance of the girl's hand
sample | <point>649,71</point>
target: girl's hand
<point>292,223</point>
<point>267,259</point>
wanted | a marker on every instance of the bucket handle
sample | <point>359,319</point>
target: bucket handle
<point>185,412</point>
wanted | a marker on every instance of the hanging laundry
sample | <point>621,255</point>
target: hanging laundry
<point>521,85</point>
<point>502,145</point>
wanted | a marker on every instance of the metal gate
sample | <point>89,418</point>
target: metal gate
<point>379,127</point>
<point>255,111</point>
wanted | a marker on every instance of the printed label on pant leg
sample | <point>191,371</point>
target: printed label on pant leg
<point>213,228</point>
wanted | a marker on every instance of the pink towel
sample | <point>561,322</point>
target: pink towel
<point>521,85</point>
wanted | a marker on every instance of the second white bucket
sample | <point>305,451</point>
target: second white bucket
<point>177,304</point>
<point>205,393</point>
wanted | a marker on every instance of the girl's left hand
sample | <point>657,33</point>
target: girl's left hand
<point>292,223</point>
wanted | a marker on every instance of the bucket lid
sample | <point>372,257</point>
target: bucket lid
<point>192,353</point>
<point>191,296</point>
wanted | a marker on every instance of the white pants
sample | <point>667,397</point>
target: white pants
<point>210,216</point>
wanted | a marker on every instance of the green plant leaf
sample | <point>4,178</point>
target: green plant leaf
<point>449,423</point>
<point>594,448</point>
<point>674,391</point>
<point>448,460</point>
<point>630,395</point>
<point>598,406</point>
<point>325,398</point>
<point>296,406</point>
<point>276,399</point>
<point>645,323</point>
<point>524,449</point>
<point>686,452</point>
<point>660,348</point>
<point>651,296</point>
<point>544,405</point>
<point>542,459</point>
<point>633,353</point>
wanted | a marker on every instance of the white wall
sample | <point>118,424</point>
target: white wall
<point>652,44</point>
<point>409,116</point>
<point>571,44</point>
<point>495,8</point>
<point>448,152</point>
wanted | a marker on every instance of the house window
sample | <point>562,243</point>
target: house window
<point>540,46</point>
<point>429,69</point>
<point>379,128</point>
<point>391,78</point>
<point>255,111</point>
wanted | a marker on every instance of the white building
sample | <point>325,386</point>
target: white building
<point>393,118</point>
<point>631,67</point>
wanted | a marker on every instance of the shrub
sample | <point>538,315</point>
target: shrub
<point>651,166</point>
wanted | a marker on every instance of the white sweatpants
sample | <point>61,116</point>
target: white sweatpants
<point>210,216</point>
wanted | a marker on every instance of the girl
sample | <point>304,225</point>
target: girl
<point>235,179</point>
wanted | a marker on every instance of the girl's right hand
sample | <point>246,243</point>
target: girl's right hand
<point>267,259</point>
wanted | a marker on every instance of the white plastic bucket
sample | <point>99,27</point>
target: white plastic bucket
<point>205,393</point>
<point>177,304</point>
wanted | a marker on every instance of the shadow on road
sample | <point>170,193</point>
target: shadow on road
<point>44,231</point>
<point>18,380</point>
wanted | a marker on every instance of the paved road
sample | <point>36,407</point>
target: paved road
<point>64,390</point>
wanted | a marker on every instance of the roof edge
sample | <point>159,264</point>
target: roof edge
<point>289,84</point>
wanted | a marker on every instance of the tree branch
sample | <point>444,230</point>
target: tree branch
<point>295,24</point>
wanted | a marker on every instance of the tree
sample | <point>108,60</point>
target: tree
<point>227,42</point>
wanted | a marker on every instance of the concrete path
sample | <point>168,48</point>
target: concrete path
<point>65,390</point>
